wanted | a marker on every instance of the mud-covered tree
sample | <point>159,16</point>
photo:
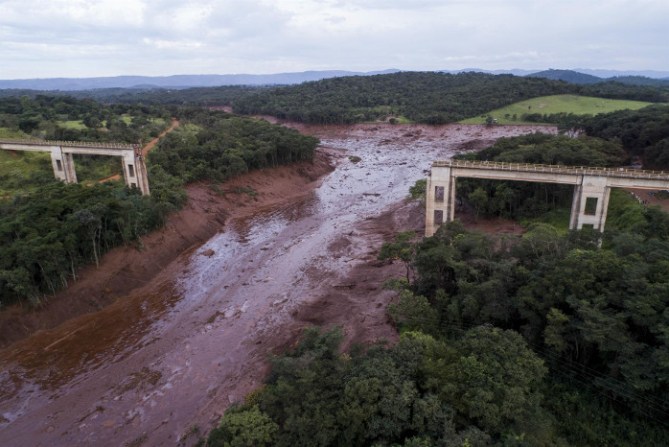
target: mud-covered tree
<point>401,248</point>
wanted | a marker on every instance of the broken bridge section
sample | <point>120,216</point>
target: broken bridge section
<point>132,160</point>
<point>592,187</point>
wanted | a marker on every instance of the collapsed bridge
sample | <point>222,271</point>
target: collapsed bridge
<point>132,160</point>
<point>592,187</point>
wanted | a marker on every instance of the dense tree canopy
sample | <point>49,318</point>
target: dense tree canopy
<point>218,146</point>
<point>50,117</point>
<point>642,133</point>
<point>45,236</point>
<point>548,340</point>
<point>431,98</point>
<point>421,392</point>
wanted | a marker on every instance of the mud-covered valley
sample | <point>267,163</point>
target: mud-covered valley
<point>157,342</point>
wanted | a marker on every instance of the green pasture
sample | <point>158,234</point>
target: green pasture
<point>11,133</point>
<point>18,171</point>
<point>72,124</point>
<point>159,122</point>
<point>578,105</point>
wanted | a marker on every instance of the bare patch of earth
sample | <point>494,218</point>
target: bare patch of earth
<point>651,197</point>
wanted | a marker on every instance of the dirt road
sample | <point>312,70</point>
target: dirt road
<point>148,147</point>
<point>153,367</point>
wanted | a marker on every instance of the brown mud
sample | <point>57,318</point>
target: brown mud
<point>193,335</point>
<point>127,268</point>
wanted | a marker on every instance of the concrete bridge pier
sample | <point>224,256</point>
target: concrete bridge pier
<point>440,193</point>
<point>134,171</point>
<point>63,165</point>
<point>590,203</point>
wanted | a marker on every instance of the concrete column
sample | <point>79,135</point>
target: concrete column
<point>134,171</point>
<point>429,207</point>
<point>142,176</point>
<point>439,198</point>
<point>68,167</point>
<point>590,204</point>
<point>576,204</point>
<point>57,163</point>
<point>450,197</point>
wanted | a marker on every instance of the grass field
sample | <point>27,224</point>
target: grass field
<point>578,105</point>
<point>74,124</point>
<point>18,168</point>
<point>9,133</point>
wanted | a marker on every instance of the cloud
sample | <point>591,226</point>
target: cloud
<point>110,37</point>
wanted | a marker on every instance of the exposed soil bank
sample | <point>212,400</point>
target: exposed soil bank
<point>180,349</point>
<point>127,268</point>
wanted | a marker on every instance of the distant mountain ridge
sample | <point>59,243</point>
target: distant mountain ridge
<point>179,81</point>
<point>571,76</point>
<point>578,76</point>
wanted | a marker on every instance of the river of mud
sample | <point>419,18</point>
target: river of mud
<point>160,366</point>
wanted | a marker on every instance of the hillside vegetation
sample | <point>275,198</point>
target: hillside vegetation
<point>48,229</point>
<point>525,112</point>
<point>643,133</point>
<point>431,98</point>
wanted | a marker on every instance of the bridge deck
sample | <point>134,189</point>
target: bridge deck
<point>554,169</point>
<point>77,144</point>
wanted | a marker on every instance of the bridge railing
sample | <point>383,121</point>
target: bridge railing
<point>554,169</point>
<point>87,144</point>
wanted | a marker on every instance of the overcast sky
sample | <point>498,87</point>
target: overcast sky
<point>84,38</point>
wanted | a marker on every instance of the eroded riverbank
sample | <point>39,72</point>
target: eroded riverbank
<point>174,354</point>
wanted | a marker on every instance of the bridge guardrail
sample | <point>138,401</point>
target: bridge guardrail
<point>91,144</point>
<point>555,169</point>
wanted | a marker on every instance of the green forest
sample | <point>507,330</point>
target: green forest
<point>430,98</point>
<point>423,97</point>
<point>48,229</point>
<point>643,133</point>
<point>544,340</point>
<point>550,338</point>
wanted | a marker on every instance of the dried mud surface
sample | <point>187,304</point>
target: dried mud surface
<point>187,334</point>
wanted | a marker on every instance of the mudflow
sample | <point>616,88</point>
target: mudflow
<point>160,364</point>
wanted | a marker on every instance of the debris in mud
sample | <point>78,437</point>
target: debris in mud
<point>208,253</point>
<point>143,377</point>
<point>354,159</point>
